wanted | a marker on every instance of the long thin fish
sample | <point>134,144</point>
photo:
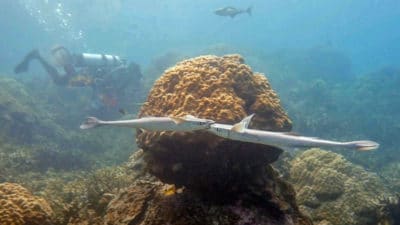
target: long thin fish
<point>240,132</point>
<point>187,123</point>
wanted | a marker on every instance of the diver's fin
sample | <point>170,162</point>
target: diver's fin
<point>24,65</point>
<point>21,67</point>
<point>90,123</point>
<point>363,145</point>
<point>177,120</point>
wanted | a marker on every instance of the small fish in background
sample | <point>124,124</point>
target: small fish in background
<point>231,11</point>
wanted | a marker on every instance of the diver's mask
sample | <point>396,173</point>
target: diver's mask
<point>62,56</point>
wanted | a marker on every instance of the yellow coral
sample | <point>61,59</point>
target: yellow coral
<point>220,88</point>
<point>19,207</point>
<point>205,85</point>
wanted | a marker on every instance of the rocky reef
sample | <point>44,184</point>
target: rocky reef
<point>19,207</point>
<point>333,191</point>
<point>221,178</point>
<point>152,202</point>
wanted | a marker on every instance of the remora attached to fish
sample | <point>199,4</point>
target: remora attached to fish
<point>186,123</point>
<point>240,132</point>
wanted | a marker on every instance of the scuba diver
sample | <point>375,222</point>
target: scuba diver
<point>107,75</point>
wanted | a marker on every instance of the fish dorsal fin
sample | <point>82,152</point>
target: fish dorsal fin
<point>177,120</point>
<point>247,120</point>
<point>239,127</point>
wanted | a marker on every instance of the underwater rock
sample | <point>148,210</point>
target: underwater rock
<point>334,191</point>
<point>18,206</point>
<point>151,202</point>
<point>223,89</point>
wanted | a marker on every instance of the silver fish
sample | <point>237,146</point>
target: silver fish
<point>240,132</point>
<point>187,123</point>
<point>231,11</point>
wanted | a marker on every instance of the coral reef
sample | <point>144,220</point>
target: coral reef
<point>82,198</point>
<point>78,197</point>
<point>391,174</point>
<point>226,182</point>
<point>18,206</point>
<point>390,211</point>
<point>36,134</point>
<point>151,202</point>
<point>333,191</point>
<point>223,89</point>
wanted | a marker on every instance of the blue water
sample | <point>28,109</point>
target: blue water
<point>296,43</point>
<point>365,30</point>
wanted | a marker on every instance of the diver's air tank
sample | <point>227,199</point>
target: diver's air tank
<point>97,60</point>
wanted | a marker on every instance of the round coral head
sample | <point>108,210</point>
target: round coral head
<point>225,90</point>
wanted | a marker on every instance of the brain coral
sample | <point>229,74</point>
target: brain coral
<point>19,206</point>
<point>333,191</point>
<point>223,89</point>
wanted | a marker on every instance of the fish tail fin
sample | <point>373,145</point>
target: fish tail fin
<point>363,145</point>
<point>90,122</point>
<point>249,10</point>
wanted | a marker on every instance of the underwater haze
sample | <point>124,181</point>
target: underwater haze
<point>335,66</point>
<point>364,30</point>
